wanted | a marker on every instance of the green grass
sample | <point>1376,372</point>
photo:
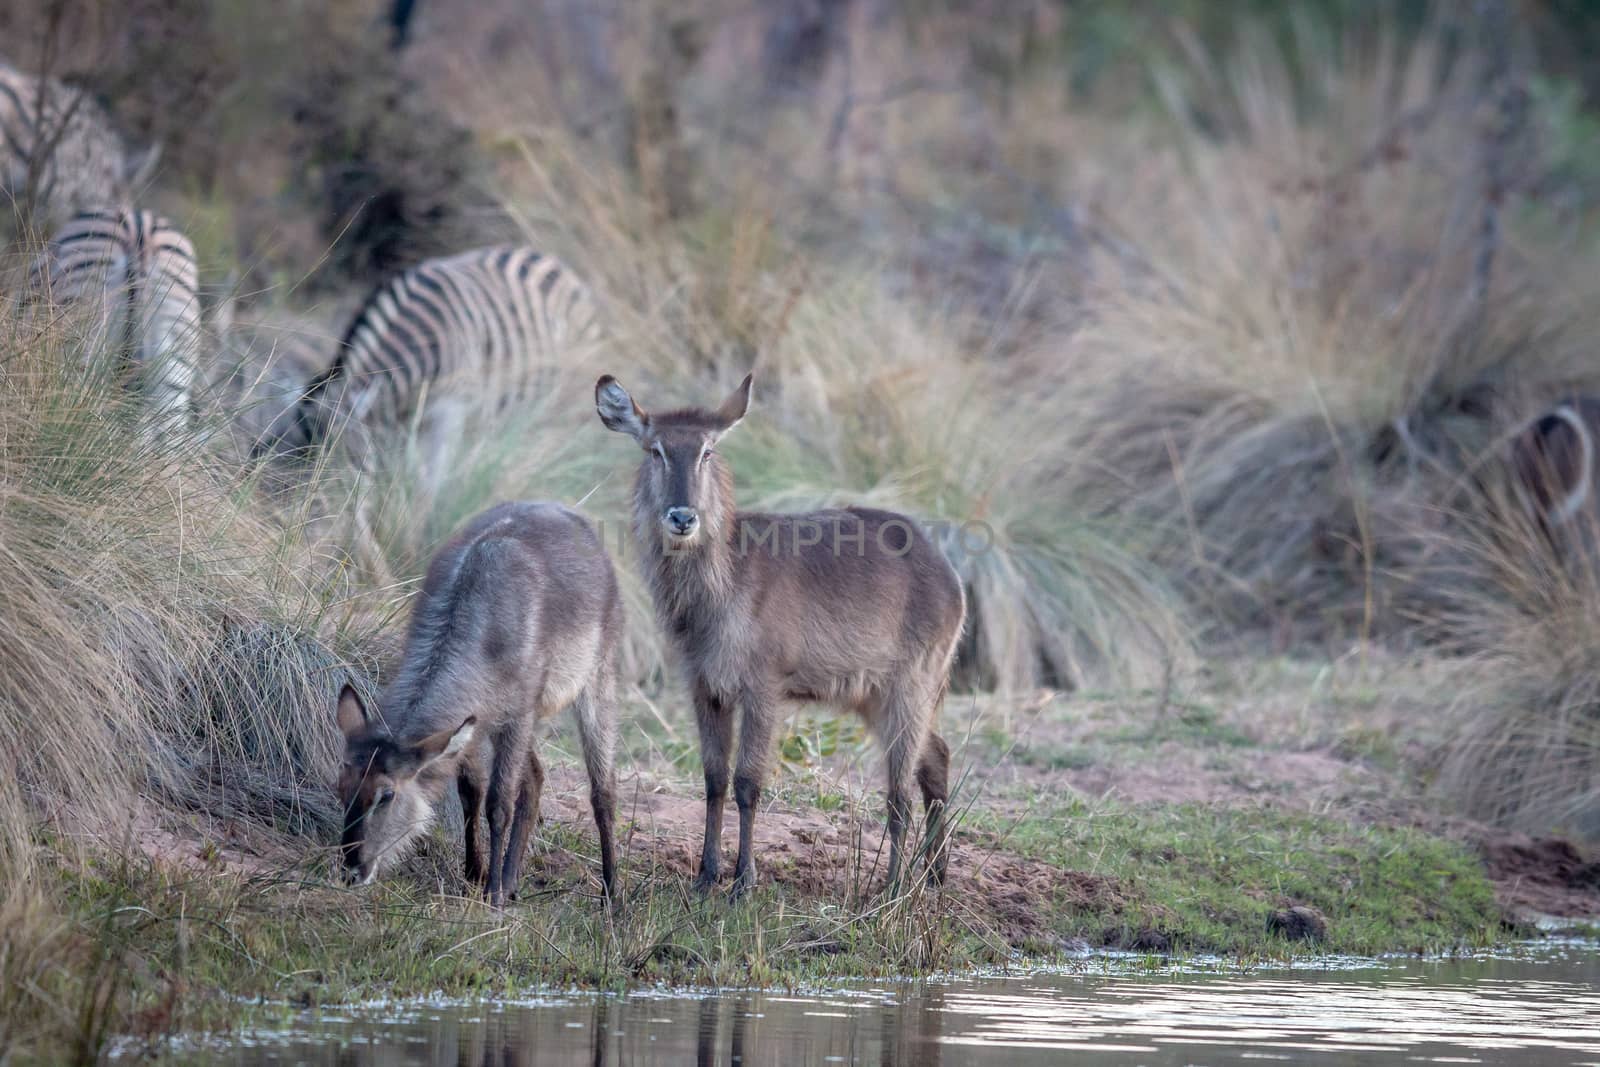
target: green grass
<point>1049,757</point>
<point>1200,879</point>
<point>183,950</point>
<point>1195,725</point>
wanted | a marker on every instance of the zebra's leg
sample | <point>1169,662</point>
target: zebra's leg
<point>164,385</point>
<point>437,437</point>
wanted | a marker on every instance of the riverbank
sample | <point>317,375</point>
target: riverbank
<point>1115,1011</point>
<point>1237,824</point>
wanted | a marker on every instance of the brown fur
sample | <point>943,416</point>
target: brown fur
<point>852,607</point>
<point>519,617</point>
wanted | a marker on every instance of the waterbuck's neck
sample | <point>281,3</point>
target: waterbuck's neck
<point>688,583</point>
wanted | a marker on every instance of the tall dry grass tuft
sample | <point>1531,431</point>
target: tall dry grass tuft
<point>162,646</point>
<point>1521,745</point>
<point>1318,328</point>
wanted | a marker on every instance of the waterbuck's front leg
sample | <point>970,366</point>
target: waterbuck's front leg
<point>756,727</point>
<point>469,784</point>
<point>715,719</point>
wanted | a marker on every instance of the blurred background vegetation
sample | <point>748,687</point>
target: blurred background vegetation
<point>1220,314</point>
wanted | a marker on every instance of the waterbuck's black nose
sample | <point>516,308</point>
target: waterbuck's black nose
<point>682,521</point>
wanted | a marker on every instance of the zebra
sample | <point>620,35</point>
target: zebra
<point>450,338</point>
<point>59,153</point>
<point>129,279</point>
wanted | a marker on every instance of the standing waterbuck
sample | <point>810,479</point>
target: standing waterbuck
<point>850,607</point>
<point>518,618</point>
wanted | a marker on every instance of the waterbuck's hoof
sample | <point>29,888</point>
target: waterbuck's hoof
<point>742,886</point>
<point>704,884</point>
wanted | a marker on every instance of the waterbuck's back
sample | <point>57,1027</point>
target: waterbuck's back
<point>518,613</point>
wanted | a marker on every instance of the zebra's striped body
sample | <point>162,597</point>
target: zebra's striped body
<point>127,282</point>
<point>58,151</point>
<point>450,338</point>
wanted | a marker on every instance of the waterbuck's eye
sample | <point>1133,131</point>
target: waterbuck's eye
<point>705,455</point>
<point>386,796</point>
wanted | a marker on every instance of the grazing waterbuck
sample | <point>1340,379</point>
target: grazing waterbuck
<point>852,607</point>
<point>518,618</point>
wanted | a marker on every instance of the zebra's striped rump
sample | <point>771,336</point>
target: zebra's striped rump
<point>126,281</point>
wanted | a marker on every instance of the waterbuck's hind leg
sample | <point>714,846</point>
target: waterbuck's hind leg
<point>933,777</point>
<point>597,730</point>
<point>902,725</point>
<point>469,785</point>
<point>505,786</point>
<point>756,729</point>
<point>522,824</point>
<point>715,720</point>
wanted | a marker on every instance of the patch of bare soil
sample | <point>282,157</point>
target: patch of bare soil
<point>1544,876</point>
<point>833,856</point>
<point>184,843</point>
<point>1175,774</point>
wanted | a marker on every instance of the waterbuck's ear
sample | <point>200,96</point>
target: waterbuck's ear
<point>738,402</point>
<point>618,410</point>
<point>352,713</point>
<point>445,743</point>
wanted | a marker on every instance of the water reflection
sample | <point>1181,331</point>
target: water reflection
<point>1539,1013</point>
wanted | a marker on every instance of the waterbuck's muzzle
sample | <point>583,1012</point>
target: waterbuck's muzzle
<point>681,522</point>
<point>350,871</point>
<point>355,874</point>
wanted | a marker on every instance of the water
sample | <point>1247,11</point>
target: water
<point>1534,1009</point>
